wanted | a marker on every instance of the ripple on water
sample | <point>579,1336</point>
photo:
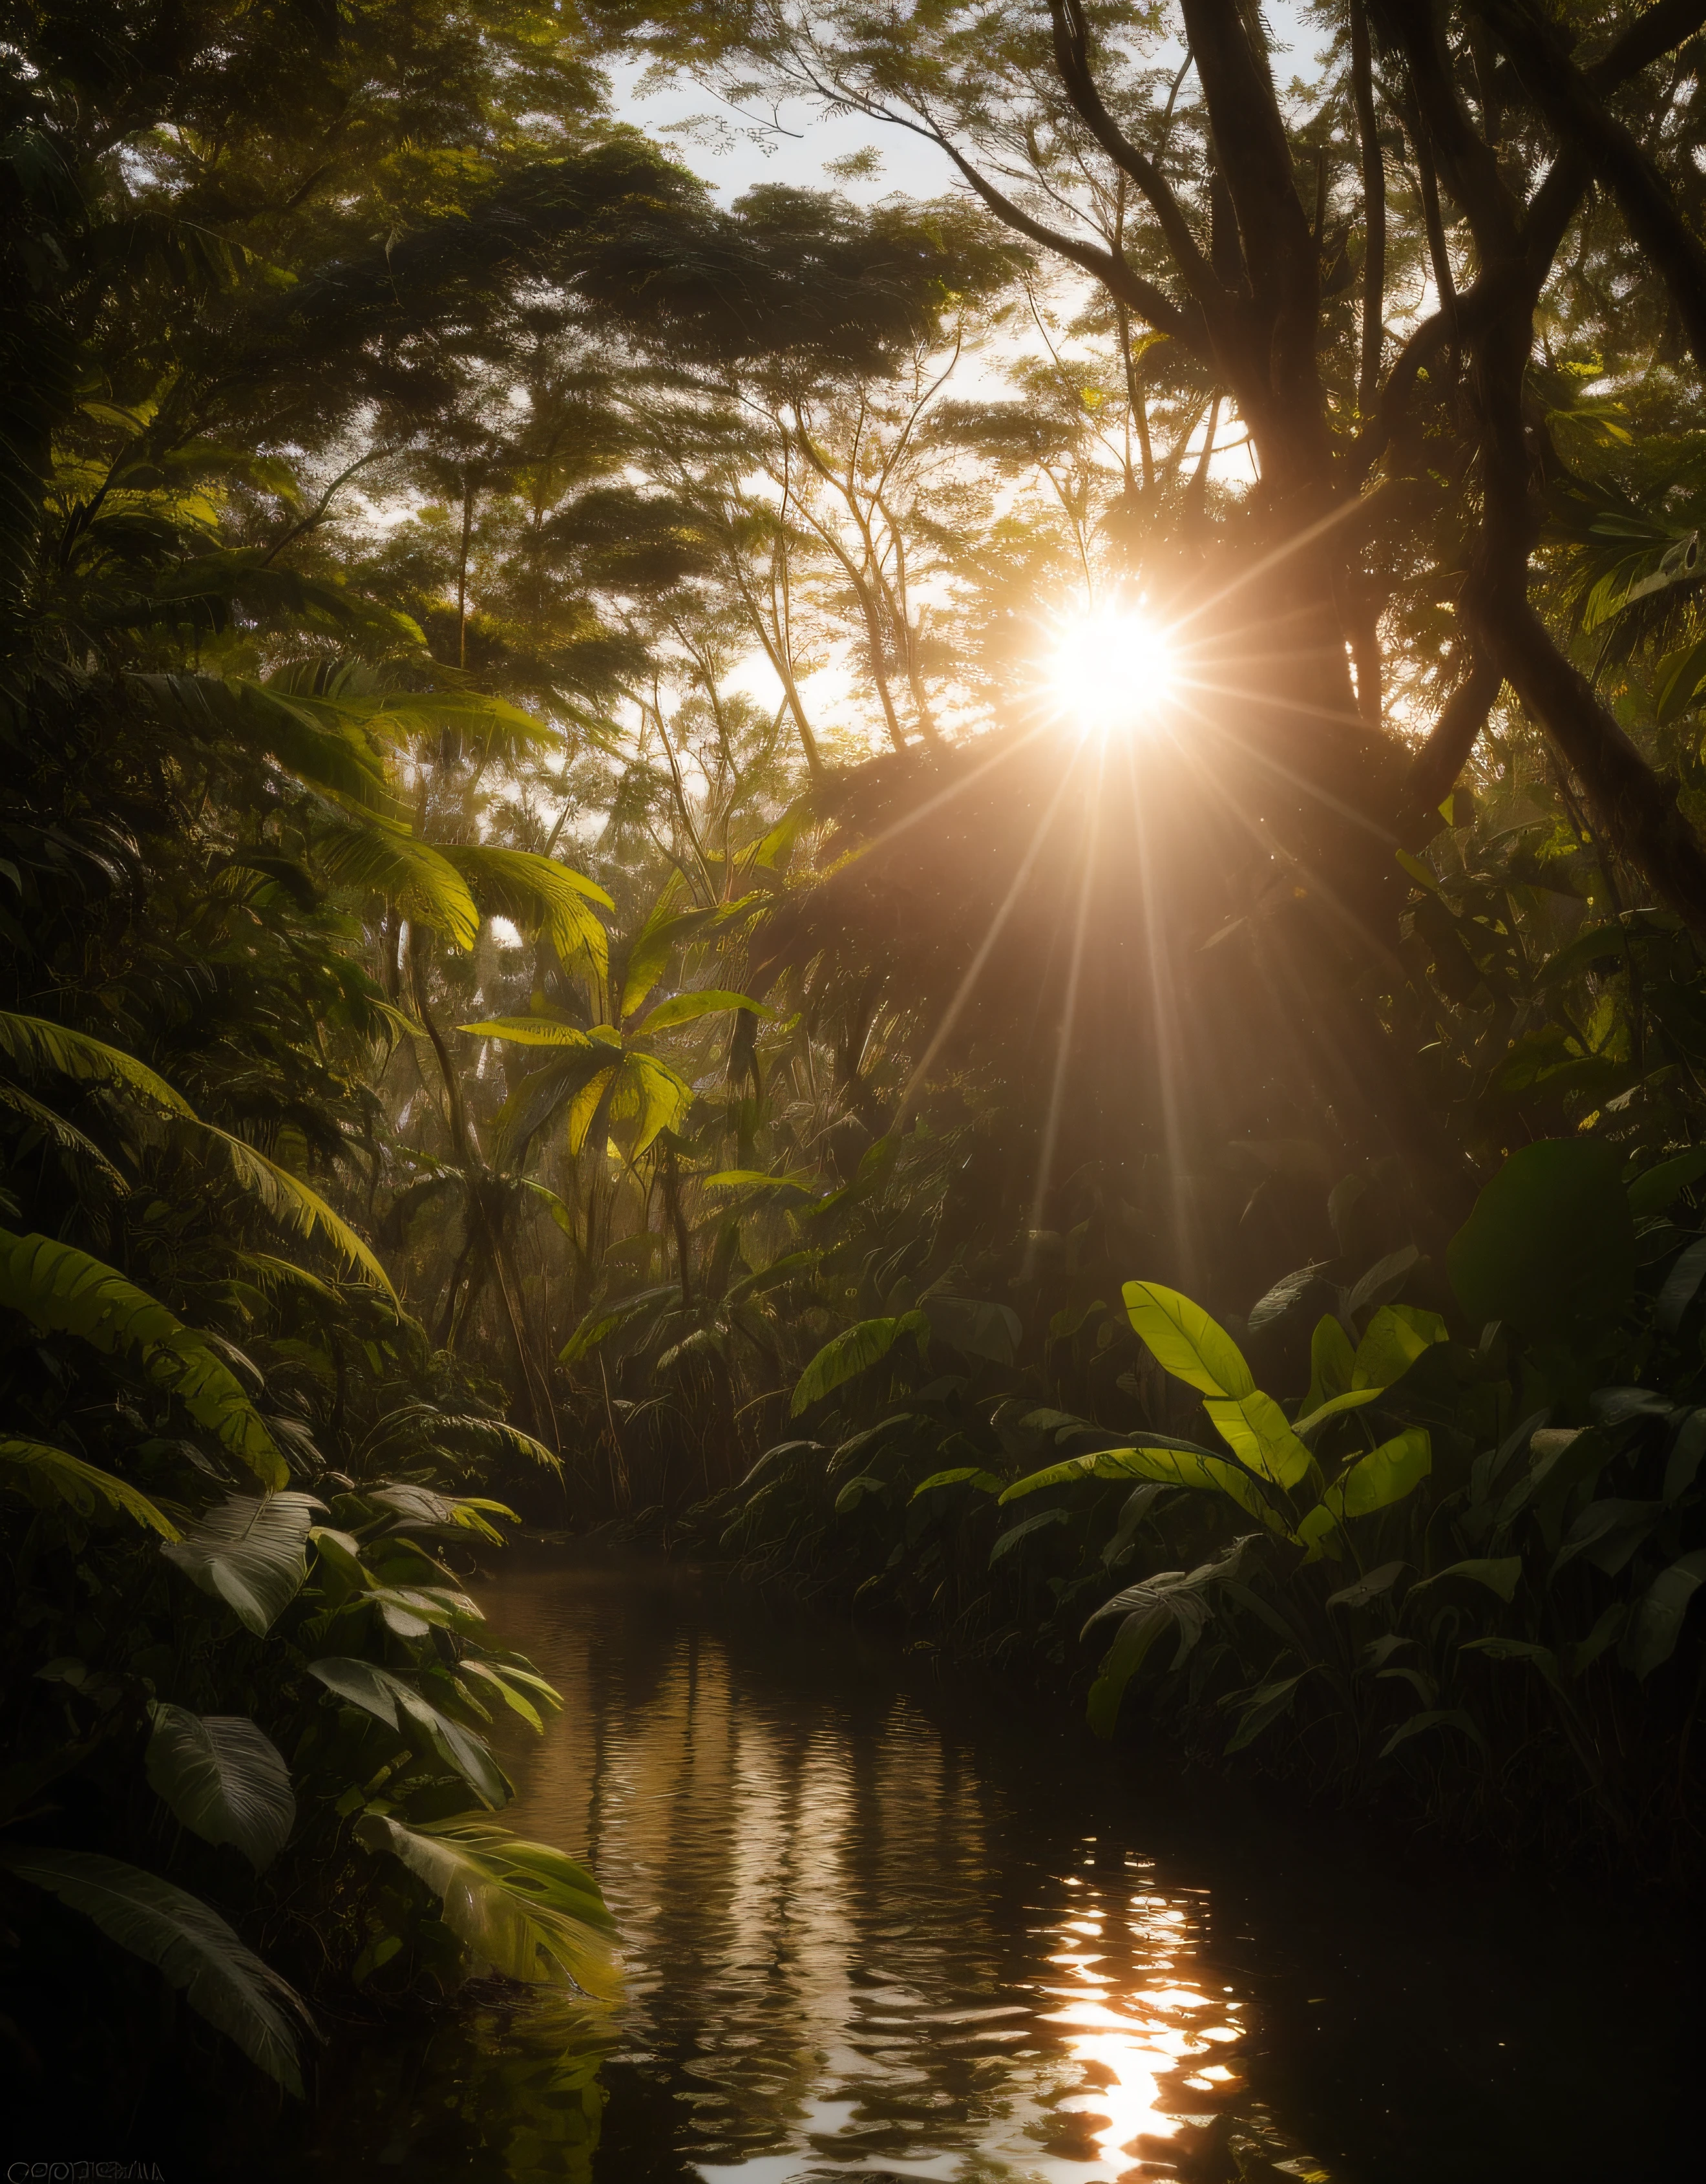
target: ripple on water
<point>844,1958</point>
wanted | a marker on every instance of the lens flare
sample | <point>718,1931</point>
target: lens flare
<point>1112,672</point>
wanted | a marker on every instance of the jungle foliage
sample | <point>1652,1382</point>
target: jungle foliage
<point>461,1049</point>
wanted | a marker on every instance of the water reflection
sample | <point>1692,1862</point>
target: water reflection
<point>845,1959</point>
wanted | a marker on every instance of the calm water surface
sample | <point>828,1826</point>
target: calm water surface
<point>878,1927</point>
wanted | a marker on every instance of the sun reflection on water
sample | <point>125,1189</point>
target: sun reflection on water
<point>853,1955</point>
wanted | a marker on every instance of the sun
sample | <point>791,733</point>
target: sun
<point>1111,672</point>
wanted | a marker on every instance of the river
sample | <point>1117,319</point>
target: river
<point>881,1922</point>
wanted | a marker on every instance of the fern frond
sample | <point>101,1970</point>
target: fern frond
<point>63,1290</point>
<point>33,1042</point>
<point>289,1201</point>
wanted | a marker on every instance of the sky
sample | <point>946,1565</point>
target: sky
<point>733,151</point>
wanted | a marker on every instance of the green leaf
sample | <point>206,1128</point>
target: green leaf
<point>385,860</point>
<point>291,1202</point>
<point>31,1043</point>
<point>65,1136</point>
<point>755,1179</point>
<point>1259,1435</point>
<point>1677,681</point>
<point>1385,1475</point>
<point>1172,1467</point>
<point>963,1475</point>
<point>46,1473</point>
<point>655,943</point>
<point>606,1320</point>
<point>858,1490</point>
<point>224,1779</point>
<point>188,1942</point>
<point>1653,1191</point>
<point>1368,1587</point>
<point>1657,1623</point>
<point>541,1031</point>
<point>1046,1520</point>
<point>538,894</point>
<point>1550,1245</point>
<point>1331,1362</point>
<point>851,1352</point>
<point>1265,1707</point>
<point>1396,1335</point>
<point>1500,1575</point>
<point>976,1328</point>
<point>65,1290</point>
<point>251,1552</point>
<point>688,1008</point>
<point>651,1096</point>
<point>1353,1399</point>
<point>1286,1293</point>
<point>1121,1663</point>
<point>1186,1342</point>
<point>1433,1718</point>
<point>521,1908</point>
<point>388,1698</point>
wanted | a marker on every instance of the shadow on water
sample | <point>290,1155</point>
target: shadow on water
<point>876,1927</point>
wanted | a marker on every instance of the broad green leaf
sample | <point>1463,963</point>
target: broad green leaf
<point>585,1107</point>
<point>1186,1342</point>
<point>540,1031</point>
<point>1387,1275</point>
<point>1652,1192</point>
<point>1433,1718</point>
<point>526,1912</point>
<point>65,1290</point>
<point>1045,1521</point>
<point>1121,1663</point>
<point>1396,1335</point>
<point>858,1490</point>
<point>1550,1245</point>
<point>1286,1293</point>
<point>33,1043</point>
<point>224,1779</point>
<point>188,1940</point>
<point>1500,1574</point>
<point>976,1329</point>
<point>689,1008</point>
<point>651,1096</point>
<point>656,942</point>
<point>1374,1482</point>
<point>289,1199</point>
<point>251,1552</point>
<point>1677,681</point>
<point>963,1475</point>
<point>852,1351</point>
<point>48,1474</point>
<point>1172,1467</point>
<point>1330,1363</point>
<point>388,1698</point>
<point>1368,1587</point>
<point>1353,1399</point>
<point>1258,1434</point>
<point>1657,1623</point>
<point>604,1320</point>
<point>1265,1707</point>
